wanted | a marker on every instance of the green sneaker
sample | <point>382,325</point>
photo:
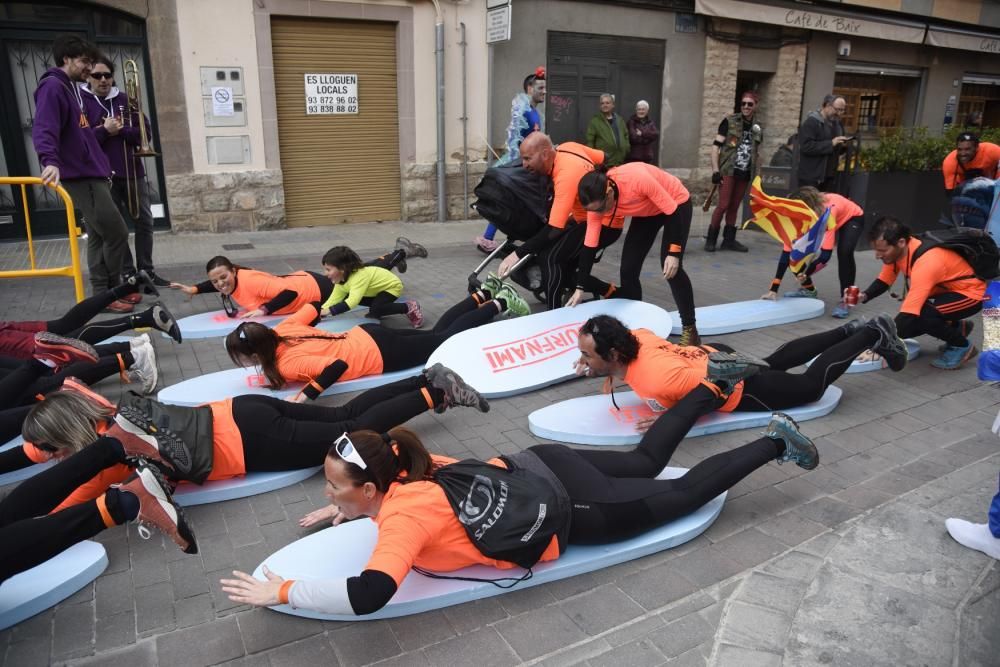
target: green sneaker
<point>798,448</point>
<point>491,285</point>
<point>802,293</point>
<point>516,306</point>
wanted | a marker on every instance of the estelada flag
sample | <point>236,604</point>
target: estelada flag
<point>807,245</point>
<point>783,219</point>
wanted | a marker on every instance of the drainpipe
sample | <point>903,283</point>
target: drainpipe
<point>465,127</point>
<point>439,62</point>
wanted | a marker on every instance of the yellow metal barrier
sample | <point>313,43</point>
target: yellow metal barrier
<point>73,271</point>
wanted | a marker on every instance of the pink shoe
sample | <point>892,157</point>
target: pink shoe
<point>486,245</point>
<point>414,314</point>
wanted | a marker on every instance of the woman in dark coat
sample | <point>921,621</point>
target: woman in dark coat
<point>642,135</point>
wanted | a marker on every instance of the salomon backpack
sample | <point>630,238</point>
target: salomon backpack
<point>974,245</point>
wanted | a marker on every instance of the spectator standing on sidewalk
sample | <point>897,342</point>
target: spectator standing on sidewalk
<point>735,161</point>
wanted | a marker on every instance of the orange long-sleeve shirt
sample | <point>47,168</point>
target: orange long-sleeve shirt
<point>644,190</point>
<point>417,526</point>
<point>937,271</point>
<point>572,161</point>
<point>664,373</point>
<point>843,210</point>
<point>255,288</point>
<point>305,360</point>
<point>984,163</point>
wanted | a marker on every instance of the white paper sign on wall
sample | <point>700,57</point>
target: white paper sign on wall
<point>331,94</point>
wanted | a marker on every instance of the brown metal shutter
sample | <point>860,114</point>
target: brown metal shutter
<point>337,168</point>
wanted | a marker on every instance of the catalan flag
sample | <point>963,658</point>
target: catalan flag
<point>807,245</point>
<point>784,219</point>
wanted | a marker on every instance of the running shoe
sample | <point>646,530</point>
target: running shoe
<point>976,536</point>
<point>841,311</point>
<point>158,280</point>
<point>965,326</point>
<point>802,293</point>
<point>516,305</point>
<point>890,346</point>
<point>165,322</point>
<point>726,369</point>
<point>854,326</point>
<point>414,314</point>
<point>119,307</point>
<point>139,341</point>
<point>410,248</point>
<point>954,357</point>
<point>157,508</point>
<point>60,351</point>
<point>143,372</point>
<point>456,391</point>
<point>798,448</point>
<point>485,245</point>
<point>491,285</point>
<point>689,336</point>
<point>142,439</point>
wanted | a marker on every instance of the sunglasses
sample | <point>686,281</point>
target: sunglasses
<point>102,75</point>
<point>346,450</point>
<point>747,104</point>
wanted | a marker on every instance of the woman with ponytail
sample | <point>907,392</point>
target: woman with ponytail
<point>655,200</point>
<point>294,351</point>
<point>392,479</point>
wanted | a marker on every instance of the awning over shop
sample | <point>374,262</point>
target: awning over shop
<point>960,39</point>
<point>879,70</point>
<point>842,23</point>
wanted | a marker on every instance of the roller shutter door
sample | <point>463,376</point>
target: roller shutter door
<point>345,167</point>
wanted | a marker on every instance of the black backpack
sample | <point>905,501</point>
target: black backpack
<point>514,199</point>
<point>974,245</point>
<point>508,514</point>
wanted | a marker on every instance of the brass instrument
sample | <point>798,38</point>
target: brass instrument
<point>134,93</point>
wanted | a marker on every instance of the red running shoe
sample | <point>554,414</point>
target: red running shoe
<point>157,508</point>
<point>62,351</point>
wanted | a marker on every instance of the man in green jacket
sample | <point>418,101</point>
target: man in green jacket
<point>607,132</point>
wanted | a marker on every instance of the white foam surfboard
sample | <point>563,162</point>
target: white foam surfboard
<point>514,356</point>
<point>745,315</point>
<point>873,362</point>
<point>251,484</point>
<point>594,420</point>
<point>237,381</point>
<point>215,324</point>
<point>24,473</point>
<point>343,551</point>
<point>33,591</point>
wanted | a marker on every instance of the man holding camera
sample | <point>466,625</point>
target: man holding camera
<point>821,143</point>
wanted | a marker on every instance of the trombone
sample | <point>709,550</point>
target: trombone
<point>132,154</point>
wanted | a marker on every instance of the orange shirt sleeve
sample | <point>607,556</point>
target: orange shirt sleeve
<point>949,170</point>
<point>992,155</point>
<point>35,454</point>
<point>649,187</point>
<point>595,221</point>
<point>304,315</point>
<point>400,541</point>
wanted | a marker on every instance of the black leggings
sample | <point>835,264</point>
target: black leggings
<point>776,389</point>
<point>406,348</point>
<point>847,241</point>
<point>387,261</point>
<point>638,242</point>
<point>937,316</point>
<point>29,535</point>
<point>383,304</point>
<point>13,385</point>
<point>614,494</point>
<point>87,372</point>
<point>556,263</point>
<point>74,324</point>
<point>279,435</point>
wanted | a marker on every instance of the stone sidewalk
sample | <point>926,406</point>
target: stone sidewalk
<point>848,564</point>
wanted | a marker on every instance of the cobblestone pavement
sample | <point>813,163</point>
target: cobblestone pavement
<point>848,564</point>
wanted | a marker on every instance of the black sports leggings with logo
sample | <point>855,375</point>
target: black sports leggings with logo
<point>615,495</point>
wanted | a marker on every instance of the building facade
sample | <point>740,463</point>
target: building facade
<point>275,113</point>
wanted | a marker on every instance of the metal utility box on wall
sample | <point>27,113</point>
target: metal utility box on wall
<point>223,96</point>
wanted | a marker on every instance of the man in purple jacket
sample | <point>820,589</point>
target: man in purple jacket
<point>69,155</point>
<point>117,131</point>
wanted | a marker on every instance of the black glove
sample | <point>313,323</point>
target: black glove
<point>716,178</point>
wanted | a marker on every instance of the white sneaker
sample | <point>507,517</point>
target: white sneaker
<point>143,371</point>
<point>974,535</point>
<point>138,341</point>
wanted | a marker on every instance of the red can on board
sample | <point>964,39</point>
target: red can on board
<point>851,295</point>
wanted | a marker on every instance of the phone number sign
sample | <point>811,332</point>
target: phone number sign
<point>331,94</point>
